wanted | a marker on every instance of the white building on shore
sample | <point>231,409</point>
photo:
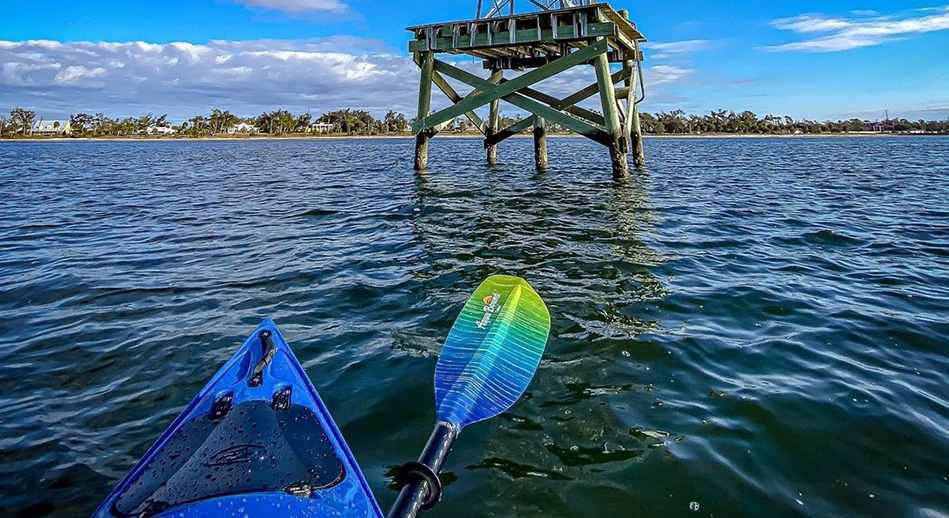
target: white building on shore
<point>242,128</point>
<point>160,130</point>
<point>322,127</point>
<point>62,128</point>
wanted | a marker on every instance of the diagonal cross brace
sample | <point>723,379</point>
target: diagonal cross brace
<point>456,98</point>
<point>592,89</point>
<point>569,103</point>
<point>562,104</point>
<point>494,92</point>
<point>539,109</point>
<point>453,95</point>
<point>558,104</point>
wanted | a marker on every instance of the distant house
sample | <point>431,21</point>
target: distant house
<point>242,128</point>
<point>160,130</point>
<point>52,127</point>
<point>462,124</point>
<point>322,127</point>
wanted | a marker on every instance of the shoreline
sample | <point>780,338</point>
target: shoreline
<point>458,136</point>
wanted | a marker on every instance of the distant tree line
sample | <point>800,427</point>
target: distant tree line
<point>748,122</point>
<point>278,122</point>
<point>360,122</point>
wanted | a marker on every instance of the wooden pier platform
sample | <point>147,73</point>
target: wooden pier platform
<point>542,45</point>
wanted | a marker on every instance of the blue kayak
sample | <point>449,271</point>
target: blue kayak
<point>256,442</point>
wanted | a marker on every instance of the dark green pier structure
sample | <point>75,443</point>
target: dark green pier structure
<point>556,37</point>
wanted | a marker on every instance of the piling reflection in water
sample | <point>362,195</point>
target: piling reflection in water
<point>581,420</point>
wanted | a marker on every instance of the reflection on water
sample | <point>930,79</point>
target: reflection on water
<point>746,328</point>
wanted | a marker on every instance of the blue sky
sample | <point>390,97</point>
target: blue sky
<point>827,59</point>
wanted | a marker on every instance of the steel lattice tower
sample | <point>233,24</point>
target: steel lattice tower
<point>541,39</point>
<point>495,8</point>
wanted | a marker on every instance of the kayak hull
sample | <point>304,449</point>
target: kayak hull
<point>256,442</point>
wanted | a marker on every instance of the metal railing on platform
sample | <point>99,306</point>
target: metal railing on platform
<point>495,8</point>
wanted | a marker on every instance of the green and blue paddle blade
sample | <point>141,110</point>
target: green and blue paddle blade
<point>492,351</point>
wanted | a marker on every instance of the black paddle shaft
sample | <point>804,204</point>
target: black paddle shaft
<point>421,488</point>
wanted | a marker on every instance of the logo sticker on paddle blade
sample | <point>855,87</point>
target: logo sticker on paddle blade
<point>491,307</point>
<point>492,351</point>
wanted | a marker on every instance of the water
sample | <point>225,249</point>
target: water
<point>748,328</point>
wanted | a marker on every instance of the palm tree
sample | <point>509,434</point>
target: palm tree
<point>80,123</point>
<point>302,123</point>
<point>199,125</point>
<point>23,119</point>
<point>144,122</point>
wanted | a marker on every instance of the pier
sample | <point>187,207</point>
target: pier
<point>555,37</point>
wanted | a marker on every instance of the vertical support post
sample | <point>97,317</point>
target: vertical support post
<point>494,119</point>
<point>618,145</point>
<point>425,60</point>
<point>634,131</point>
<point>540,143</point>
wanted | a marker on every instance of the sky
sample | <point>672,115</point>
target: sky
<point>828,59</point>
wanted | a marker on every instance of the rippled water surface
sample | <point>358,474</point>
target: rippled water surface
<point>746,328</point>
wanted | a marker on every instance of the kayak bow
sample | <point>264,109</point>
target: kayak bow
<point>256,442</point>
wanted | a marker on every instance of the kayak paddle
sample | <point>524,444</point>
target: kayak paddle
<point>489,358</point>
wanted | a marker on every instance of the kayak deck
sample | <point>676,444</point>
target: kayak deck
<point>257,441</point>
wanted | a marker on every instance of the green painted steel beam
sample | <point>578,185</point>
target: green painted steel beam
<point>607,95</point>
<point>593,89</point>
<point>537,108</point>
<point>425,61</point>
<point>456,98</point>
<point>561,104</point>
<point>568,104</point>
<point>556,103</point>
<point>493,92</point>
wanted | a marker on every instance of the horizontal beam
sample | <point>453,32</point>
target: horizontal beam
<point>524,61</point>
<point>508,132</point>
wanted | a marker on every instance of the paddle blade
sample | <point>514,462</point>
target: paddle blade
<point>492,351</point>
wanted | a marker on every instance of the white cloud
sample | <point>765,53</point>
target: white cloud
<point>73,73</point>
<point>247,77</point>
<point>665,74</point>
<point>298,6</point>
<point>846,34</point>
<point>680,47</point>
<point>184,78</point>
<point>808,23</point>
<point>676,48</point>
